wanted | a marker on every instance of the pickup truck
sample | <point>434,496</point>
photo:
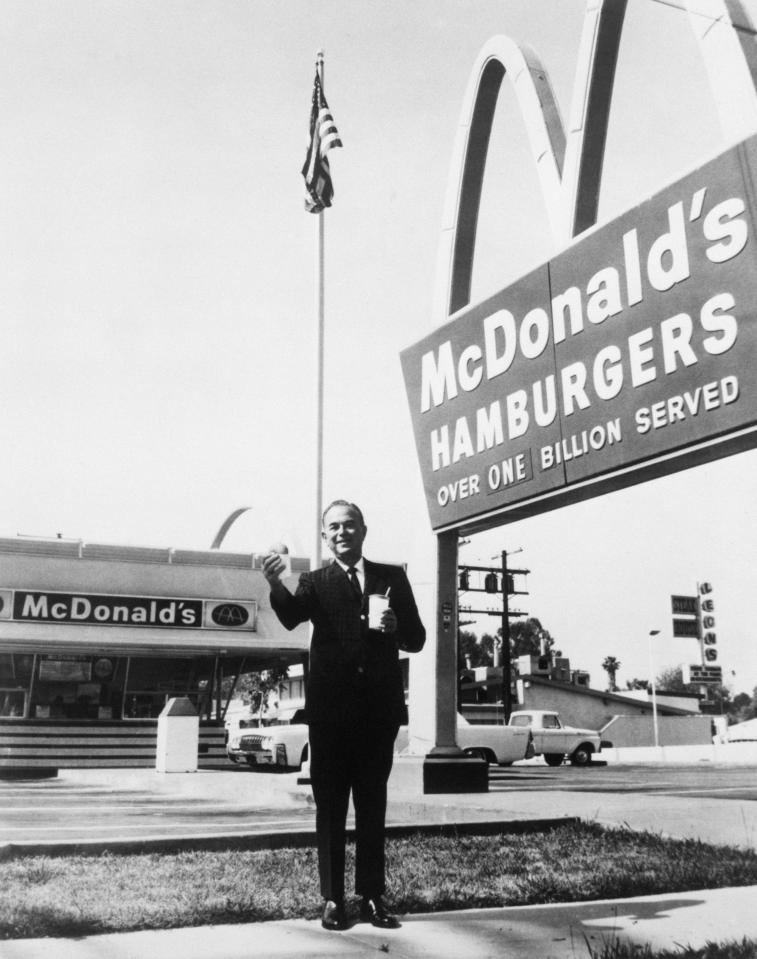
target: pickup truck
<point>281,745</point>
<point>555,741</point>
<point>500,745</point>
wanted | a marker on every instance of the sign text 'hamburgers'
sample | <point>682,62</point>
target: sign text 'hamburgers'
<point>638,341</point>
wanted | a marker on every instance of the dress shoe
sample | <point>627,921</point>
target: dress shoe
<point>375,911</point>
<point>334,917</point>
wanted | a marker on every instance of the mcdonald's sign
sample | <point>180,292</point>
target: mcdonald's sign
<point>630,353</point>
<point>632,345</point>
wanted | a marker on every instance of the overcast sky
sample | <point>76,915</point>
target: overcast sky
<point>157,287</point>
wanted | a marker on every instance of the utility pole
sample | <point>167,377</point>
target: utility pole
<point>507,666</point>
<point>492,585</point>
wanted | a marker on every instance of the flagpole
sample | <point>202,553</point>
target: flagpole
<point>320,335</point>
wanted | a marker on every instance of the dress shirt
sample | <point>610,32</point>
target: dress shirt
<point>359,568</point>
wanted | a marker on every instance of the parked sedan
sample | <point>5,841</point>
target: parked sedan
<point>500,745</point>
<point>282,745</point>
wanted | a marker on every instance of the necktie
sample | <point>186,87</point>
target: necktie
<point>355,583</point>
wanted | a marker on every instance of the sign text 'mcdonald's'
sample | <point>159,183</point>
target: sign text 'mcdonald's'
<point>637,342</point>
<point>97,609</point>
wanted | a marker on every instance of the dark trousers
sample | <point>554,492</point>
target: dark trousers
<point>344,758</point>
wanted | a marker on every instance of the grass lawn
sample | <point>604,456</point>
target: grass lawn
<point>745,949</point>
<point>86,895</point>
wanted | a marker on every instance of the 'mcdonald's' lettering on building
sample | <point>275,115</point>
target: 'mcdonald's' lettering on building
<point>116,610</point>
<point>95,609</point>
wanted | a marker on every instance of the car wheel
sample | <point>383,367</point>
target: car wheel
<point>477,754</point>
<point>581,755</point>
<point>233,759</point>
<point>553,759</point>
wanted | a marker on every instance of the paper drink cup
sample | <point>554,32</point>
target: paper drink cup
<point>376,606</point>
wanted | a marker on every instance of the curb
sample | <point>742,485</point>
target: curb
<point>270,840</point>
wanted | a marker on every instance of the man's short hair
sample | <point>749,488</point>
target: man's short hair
<point>343,502</point>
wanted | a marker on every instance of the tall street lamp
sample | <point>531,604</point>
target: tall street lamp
<point>652,633</point>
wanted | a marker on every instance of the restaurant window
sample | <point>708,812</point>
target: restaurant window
<point>78,687</point>
<point>153,681</point>
<point>101,687</point>
<point>15,681</point>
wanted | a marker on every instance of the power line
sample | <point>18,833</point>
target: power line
<point>743,28</point>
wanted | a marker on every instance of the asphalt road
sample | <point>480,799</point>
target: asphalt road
<point>58,810</point>
<point>247,801</point>
<point>705,781</point>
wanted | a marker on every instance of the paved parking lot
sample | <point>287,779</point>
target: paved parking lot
<point>93,805</point>
<point>703,780</point>
<point>142,803</point>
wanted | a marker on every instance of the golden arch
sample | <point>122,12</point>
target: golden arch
<point>226,526</point>
<point>569,161</point>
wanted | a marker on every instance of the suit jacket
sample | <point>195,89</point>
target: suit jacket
<point>354,671</point>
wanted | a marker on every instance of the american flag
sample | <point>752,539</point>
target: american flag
<point>324,135</point>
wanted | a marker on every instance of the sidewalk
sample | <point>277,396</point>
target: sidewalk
<point>560,931</point>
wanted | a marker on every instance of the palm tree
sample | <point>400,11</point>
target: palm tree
<point>611,666</point>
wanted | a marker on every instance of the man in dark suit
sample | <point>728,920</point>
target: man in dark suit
<point>354,701</point>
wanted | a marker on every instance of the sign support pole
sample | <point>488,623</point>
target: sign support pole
<point>446,768</point>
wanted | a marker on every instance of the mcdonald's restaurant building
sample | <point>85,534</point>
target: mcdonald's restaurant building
<point>95,639</point>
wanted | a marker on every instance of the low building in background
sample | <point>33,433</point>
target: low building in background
<point>95,639</point>
<point>549,683</point>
